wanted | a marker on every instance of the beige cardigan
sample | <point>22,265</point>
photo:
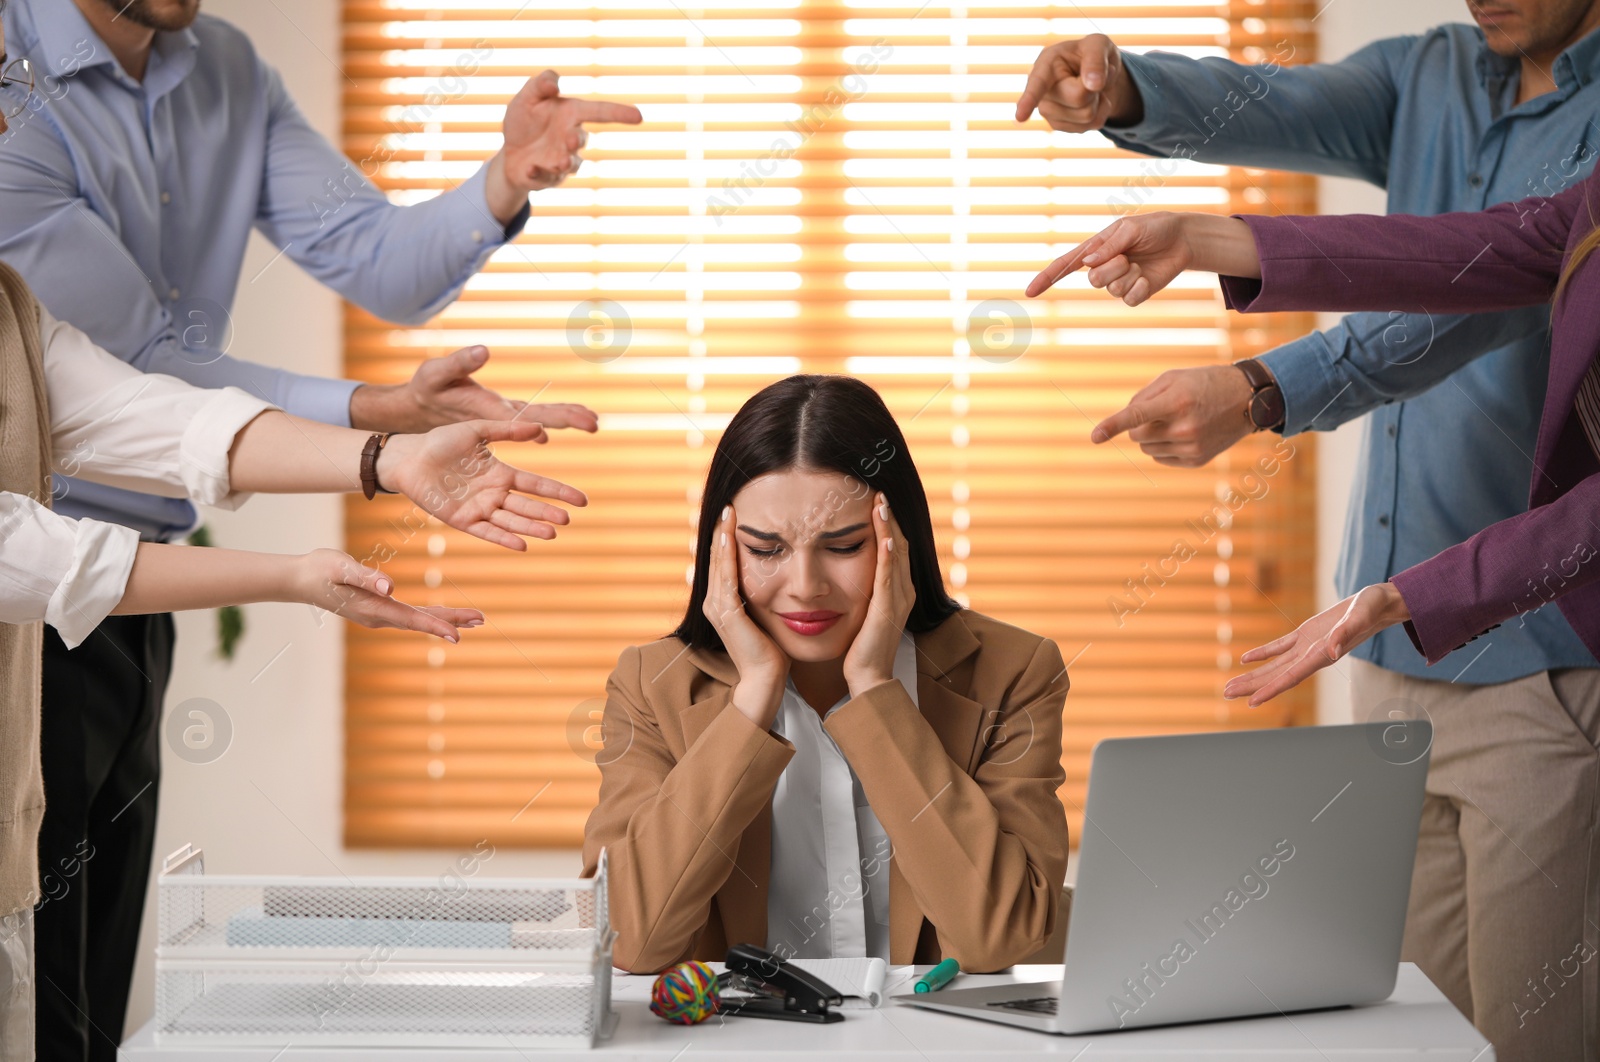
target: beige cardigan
<point>24,469</point>
<point>965,788</point>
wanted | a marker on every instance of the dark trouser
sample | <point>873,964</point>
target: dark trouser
<point>100,736</point>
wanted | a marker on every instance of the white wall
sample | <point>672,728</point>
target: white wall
<point>1344,26</point>
<point>272,802</point>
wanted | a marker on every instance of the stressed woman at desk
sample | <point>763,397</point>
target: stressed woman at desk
<point>829,756</point>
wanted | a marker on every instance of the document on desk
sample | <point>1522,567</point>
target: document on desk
<point>859,981</point>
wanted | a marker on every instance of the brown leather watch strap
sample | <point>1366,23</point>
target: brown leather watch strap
<point>1265,409</point>
<point>1255,372</point>
<point>369,464</point>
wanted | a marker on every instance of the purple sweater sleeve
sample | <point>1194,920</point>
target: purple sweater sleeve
<point>1497,259</point>
<point>1501,258</point>
<point>1508,568</point>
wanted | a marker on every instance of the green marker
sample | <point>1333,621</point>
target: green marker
<point>938,977</point>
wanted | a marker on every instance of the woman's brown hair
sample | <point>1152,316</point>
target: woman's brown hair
<point>1585,248</point>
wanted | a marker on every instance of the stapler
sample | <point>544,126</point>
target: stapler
<point>775,988</point>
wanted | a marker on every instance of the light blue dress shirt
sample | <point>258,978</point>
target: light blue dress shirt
<point>1454,400</point>
<point>127,207</point>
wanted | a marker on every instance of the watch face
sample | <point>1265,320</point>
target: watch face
<point>1266,408</point>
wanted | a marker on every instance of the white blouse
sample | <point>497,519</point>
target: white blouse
<point>828,893</point>
<point>109,423</point>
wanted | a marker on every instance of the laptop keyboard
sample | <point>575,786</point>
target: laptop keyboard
<point>1040,1005</point>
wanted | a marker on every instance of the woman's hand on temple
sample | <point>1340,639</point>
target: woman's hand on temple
<point>451,473</point>
<point>762,666</point>
<point>870,660</point>
<point>336,582</point>
<point>1319,641</point>
<point>1135,257</point>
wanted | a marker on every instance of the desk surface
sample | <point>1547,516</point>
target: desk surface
<point>1416,1021</point>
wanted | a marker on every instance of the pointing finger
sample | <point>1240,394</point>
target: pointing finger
<point>1052,273</point>
<point>1049,68</point>
<point>604,111</point>
<point>1125,419</point>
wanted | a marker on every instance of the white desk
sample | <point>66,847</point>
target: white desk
<point>1417,1022</point>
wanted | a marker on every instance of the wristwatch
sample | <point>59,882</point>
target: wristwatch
<point>1266,399</point>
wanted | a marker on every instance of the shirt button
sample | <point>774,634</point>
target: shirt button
<point>173,294</point>
<point>1392,430</point>
<point>166,197</point>
<point>1476,180</point>
<point>477,236</point>
<point>1383,520</point>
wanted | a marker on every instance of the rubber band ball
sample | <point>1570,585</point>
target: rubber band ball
<point>685,994</point>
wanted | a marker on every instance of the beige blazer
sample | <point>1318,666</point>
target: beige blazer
<point>965,788</point>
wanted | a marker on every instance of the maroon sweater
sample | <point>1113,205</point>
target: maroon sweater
<point>1507,256</point>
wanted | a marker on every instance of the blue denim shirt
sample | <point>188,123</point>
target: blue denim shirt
<point>1454,400</point>
<point>128,205</point>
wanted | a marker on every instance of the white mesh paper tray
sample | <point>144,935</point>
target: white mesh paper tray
<point>381,961</point>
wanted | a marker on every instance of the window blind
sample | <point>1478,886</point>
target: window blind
<point>825,187</point>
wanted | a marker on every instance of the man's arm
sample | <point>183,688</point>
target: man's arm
<point>1328,118</point>
<point>79,269</point>
<point>1370,359</point>
<point>1186,417</point>
<point>400,263</point>
<point>406,263</point>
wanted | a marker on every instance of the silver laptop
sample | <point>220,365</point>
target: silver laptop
<point>1231,874</point>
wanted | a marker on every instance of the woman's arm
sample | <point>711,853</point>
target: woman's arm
<point>1508,569</point>
<point>73,573</point>
<point>1135,257</point>
<point>671,827</point>
<point>985,854</point>
<point>1501,258</point>
<point>113,424</point>
<point>175,578</point>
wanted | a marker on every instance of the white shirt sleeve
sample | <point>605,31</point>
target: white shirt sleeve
<point>69,573</point>
<point>111,423</point>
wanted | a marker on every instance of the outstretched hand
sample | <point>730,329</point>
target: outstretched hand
<point>336,582</point>
<point>453,475</point>
<point>1318,642</point>
<point>445,391</point>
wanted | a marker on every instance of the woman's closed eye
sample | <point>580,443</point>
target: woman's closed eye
<point>843,551</point>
